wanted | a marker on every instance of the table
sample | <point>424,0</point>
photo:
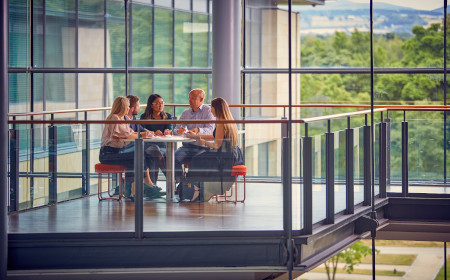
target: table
<point>170,159</point>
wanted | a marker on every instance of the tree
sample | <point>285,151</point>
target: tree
<point>351,256</point>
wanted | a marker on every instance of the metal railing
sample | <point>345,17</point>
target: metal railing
<point>306,179</point>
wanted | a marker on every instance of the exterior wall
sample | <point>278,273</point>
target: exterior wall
<point>273,89</point>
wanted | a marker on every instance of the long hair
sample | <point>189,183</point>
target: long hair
<point>223,113</point>
<point>119,106</point>
<point>149,110</point>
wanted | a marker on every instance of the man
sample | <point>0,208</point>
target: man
<point>134,110</point>
<point>196,111</point>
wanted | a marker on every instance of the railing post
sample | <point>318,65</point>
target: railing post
<point>367,165</point>
<point>404,158</point>
<point>52,164</point>
<point>287,195</point>
<point>284,128</point>
<point>329,139</point>
<point>349,171</point>
<point>138,184</point>
<point>86,154</point>
<point>388,150</point>
<point>382,163</point>
<point>307,185</point>
<point>14,170</point>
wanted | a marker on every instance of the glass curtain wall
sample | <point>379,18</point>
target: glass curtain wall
<point>72,55</point>
<point>331,54</point>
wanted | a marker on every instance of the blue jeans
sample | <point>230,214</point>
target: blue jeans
<point>124,156</point>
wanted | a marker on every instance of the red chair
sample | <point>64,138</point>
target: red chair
<point>101,168</point>
<point>236,171</point>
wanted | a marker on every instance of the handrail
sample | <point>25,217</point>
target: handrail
<point>282,121</point>
<point>391,107</point>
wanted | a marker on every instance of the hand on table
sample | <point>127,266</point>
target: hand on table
<point>158,133</point>
<point>181,130</point>
<point>167,132</point>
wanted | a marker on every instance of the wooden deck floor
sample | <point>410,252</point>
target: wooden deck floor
<point>262,210</point>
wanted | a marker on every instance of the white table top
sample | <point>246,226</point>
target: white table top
<point>168,138</point>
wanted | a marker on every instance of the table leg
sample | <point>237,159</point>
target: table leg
<point>170,171</point>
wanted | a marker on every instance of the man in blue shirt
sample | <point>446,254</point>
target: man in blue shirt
<point>196,111</point>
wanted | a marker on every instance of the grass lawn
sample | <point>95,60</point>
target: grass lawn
<point>401,243</point>
<point>441,275</point>
<point>390,259</point>
<point>362,271</point>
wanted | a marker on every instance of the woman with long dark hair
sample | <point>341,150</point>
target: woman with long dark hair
<point>155,111</point>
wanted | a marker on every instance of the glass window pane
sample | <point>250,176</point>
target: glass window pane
<point>200,40</point>
<point>411,35</point>
<point>183,39</point>
<point>142,87</point>
<point>38,33</point>
<point>60,91</point>
<point>163,86</point>
<point>183,4</point>
<point>115,34</point>
<point>60,33</point>
<point>182,87</point>
<point>18,53</point>
<point>19,92</point>
<point>91,35</point>
<point>267,41</point>
<point>163,3</point>
<point>163,38</point>
<point>91,88</point>
<point>200,6</point>
<point>142,43</point>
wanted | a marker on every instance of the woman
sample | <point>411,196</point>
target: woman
<point>224,139</point>
<point>114,148</point>
<point>155,111</point>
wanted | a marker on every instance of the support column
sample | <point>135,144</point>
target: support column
<point>226,48</point>
<point>4,137</point>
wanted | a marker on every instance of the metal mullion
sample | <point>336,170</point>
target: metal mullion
<point>126,47</point>
<point>32,136</point>
<point>209,49</point>
<point>173,49</point>
<point>445,91</point>
<point>192,43</point>
<point>77,22</point>
<point>153,46</point>
<point>105,57</point>
<point>130,44</point>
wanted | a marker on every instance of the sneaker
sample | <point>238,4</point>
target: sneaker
<point>153,192</point>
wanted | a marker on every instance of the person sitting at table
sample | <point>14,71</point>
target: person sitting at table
<point>196,111</point>
<point>222,155</point>
<point>133,111</point>
<point>155,111</point>
<point>115,150</point>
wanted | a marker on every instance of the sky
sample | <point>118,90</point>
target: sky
<point>416,4</point>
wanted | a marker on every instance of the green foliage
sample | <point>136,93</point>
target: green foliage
<point>351,256</point>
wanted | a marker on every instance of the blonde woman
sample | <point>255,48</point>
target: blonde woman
<point>114,148</point>
<point>218,161</point>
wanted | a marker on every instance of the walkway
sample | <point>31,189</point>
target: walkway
<point>425,267</point>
